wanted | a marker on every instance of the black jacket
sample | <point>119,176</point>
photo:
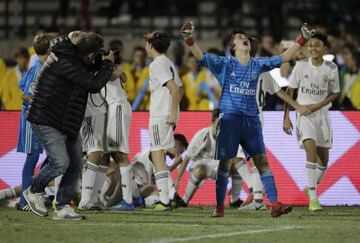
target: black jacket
<point>62,88</point>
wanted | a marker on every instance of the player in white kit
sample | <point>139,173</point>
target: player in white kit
<point>317,82</point>
<point>166,92</point>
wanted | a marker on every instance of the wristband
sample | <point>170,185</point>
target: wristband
<point>301,40</point>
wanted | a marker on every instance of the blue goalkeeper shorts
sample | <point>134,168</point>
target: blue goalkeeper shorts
<point>233,130</point>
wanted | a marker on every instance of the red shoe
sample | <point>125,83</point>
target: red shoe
<point>218,212</point>
<point>277,209</point>
<point>248,200</point>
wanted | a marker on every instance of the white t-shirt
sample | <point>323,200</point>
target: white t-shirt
<point>95,105</point>
<point>266,84</point>
<point>115,92</point>
<point>314,84</point>
<point>161,71</point>
<point>202,145</point>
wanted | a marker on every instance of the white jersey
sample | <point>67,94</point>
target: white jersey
<point>202,145</point>
<point>266,84</point>
<point>95,105</point>
<point>314,84</point>
<point>115,93</point>
<point>161,71</point>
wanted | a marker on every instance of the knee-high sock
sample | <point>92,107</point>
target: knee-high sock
<point>257,185</point>
<point>104,189</point>
<point>162,178</point>
<point>268,182</point>
<point>236,182</point>
<point>312,179</point>
<point>243,170</point>
<point>320,171</point>
<point>221,185</point>
<point>88,180</point>
<point>192,186</point>
<point>28,173</point>
<point>172,189</point>
<point>126,183</point>
<point>99,182</point>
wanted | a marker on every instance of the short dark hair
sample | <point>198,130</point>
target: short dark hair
<point>41,43</point>
<point>230,39</point>
<point>23,52</point>
<point>159,40</point>
<point>182,139</point>
<point>215,114</point>
<point>87,42</point>
<point>114,45</point>
<point>322,37</point>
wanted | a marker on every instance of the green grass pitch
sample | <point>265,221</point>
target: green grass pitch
<point>193,224</point>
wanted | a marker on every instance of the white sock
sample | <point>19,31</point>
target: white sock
<point>7,194</point>
<point>104,189</point>
<point>243,170</point>
<point>258,188</point>
<point>236,182</point>
<point>126,178</point>
<point>192,186</point>
<point>162,182</point>
<point>99,182</point>
<point>151,200</point>
<point>135,190</point>
<point>172,189</point>
<point>320,171</point>
<point>57,182</point>
<point>311,178</point>
<point>88,180</point>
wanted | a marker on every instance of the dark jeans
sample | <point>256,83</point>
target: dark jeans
<point>65,158</point>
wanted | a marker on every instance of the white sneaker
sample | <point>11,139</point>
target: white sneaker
<point>36,202</point>
<point>66,213</point>
<point>254,206</point>
<point>89,206</point>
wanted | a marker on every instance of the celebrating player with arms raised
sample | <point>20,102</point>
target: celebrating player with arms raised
<point>239,122</point>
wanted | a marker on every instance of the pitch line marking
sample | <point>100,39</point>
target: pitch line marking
<point>214,236</point>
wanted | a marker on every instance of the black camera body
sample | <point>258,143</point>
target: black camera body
<point>96,66</point>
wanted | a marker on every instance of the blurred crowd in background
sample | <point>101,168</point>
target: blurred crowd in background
<point>339,20</point>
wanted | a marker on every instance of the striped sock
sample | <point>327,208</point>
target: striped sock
<point>88,180</point>
<point>126,179</point>
<point>221,186</point>
<point>243,170</point>
<point>320,171</point>
<point>162,178</point>
<point>192,186</point>
<point>268,182</point>
<point>311,178</point>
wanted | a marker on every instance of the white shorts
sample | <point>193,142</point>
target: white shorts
<point>118,127</point>
<point>315,126</point>
<point>211,167</point>
<point>92,133</point>
<point>161,135</point>
<point>143,175</point>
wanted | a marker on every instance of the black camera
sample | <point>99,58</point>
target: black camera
<point>96,66</point>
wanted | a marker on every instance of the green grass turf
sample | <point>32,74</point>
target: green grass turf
<point>193,224</point>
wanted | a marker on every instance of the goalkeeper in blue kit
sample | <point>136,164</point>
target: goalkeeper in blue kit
<point>239,121</point>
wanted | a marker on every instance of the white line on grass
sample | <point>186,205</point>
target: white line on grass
<point>214,236</point>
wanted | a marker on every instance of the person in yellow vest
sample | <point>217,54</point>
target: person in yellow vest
<point>11,94</point>
<point>2,73</point>
<point>140,73</point>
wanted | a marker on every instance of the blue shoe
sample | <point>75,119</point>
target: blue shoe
<point>139,202</point>
<point>123,206</point>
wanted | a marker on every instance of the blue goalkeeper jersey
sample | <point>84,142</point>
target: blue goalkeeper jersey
<point>239,81</point>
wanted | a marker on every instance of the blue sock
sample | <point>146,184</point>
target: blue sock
<point>28,173</point>
<point>268,182</point>
<point>221,186</point>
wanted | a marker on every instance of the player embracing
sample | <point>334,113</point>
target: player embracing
<point>239,122</point>
<point>166,92</point>
<point>317,82</point>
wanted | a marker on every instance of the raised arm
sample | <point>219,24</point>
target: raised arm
<point>187,32</point>
<point>306,33</point>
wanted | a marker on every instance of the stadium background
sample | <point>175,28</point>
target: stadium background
<point>270,21</point>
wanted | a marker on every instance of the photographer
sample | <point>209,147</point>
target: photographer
<point>57,111</point>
